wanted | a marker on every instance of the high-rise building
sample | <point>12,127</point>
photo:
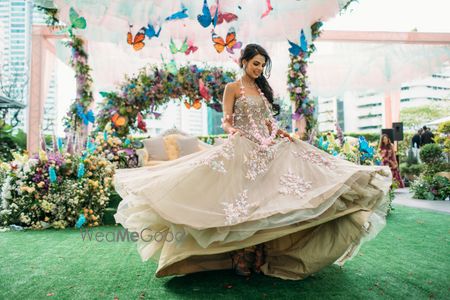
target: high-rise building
<point>365,112</point>
<point>15,19</point>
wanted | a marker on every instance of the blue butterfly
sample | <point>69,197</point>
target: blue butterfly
<point>365,148</point>
<point>52,174</point>
<point>81,170</point>
<point>178,15</point>
<point>151,32</point>
<point>297,49</point>
<point>86,117</point>
<point>90,146</point>
<point>81,221</point>
<point>205,19</point>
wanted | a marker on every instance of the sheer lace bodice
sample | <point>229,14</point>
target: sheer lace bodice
<point>251,107</point>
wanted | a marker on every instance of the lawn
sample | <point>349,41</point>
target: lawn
<point>410,259</point>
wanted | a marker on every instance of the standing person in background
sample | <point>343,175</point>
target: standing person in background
<point>416,143</point>
<point>388,155</point>
<point>427,136</point>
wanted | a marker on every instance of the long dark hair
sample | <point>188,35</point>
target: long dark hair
<point>389,144</point>
<point>250,51</point>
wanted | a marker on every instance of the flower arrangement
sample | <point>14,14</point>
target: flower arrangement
<point>153,87</point>
<point>119,151</point>
<point>80,115</point>
<point>52,189</point>
<point>297,83</point>
<point>359,152</point>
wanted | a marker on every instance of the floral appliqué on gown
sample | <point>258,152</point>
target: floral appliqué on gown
<point>308,208</point>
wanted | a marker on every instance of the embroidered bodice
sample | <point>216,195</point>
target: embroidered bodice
<point>249,111</point>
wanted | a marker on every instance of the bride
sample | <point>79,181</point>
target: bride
<point>260,202</point>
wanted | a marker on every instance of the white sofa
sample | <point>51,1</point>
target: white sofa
<point>168,146</point>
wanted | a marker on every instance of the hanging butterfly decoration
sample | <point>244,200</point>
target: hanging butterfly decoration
<point>206,19</point>
<point>230,43</point>
<point>268,10</point>
<point>76,22</point>
<point>171,66</point>
<point>223,16</point>
<point>173,48</point>
<point>301,48</point>
<point>141,123</point>
<point>182,14</point>
<point>85,117</point>
<point>150,31</point>
<point>81,220</point>
<point>196,104</point>
<point>204,92</point>
<point>118,120</point>
<point>191,48</point>
<point>138,41</point>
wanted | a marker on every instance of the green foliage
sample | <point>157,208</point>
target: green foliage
<point>431,188</point>
<point>10,142</point>
<point>431,154</point>
<point>443,136</point>
<point>411,169</point>
<point>414,117</point>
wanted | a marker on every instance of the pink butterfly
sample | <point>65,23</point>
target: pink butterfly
<point>221,16</point>
<point>191,48</point>
<point>204,92</point>
<point>269,9</point>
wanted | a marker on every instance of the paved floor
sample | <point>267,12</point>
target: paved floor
<point>404,197</point>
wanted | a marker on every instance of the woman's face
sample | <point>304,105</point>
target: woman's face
<point>385,140</point>
<point>255,66</point>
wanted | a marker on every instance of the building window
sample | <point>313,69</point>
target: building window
<point>369,116</point>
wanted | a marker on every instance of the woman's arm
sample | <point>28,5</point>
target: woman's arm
<point>280,132</point>
<point>227,107</point>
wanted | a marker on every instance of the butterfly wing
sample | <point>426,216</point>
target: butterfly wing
<point>73,15</point>
<point>178,15</point>
<point>138,42</point>
<point>237,45</point>
<point>90,116</point>
<point>269,9</point>
<point>203,90</point>
<point>197,104</point>
<point>303,42</point>
<point>294,49</point>
<point>229,17</point>
<point>219,43</point>
<point>184,46</point>
<point>215,18</point>
<point>172,46</point>
<point>205,18</point>
<point>187,104</point>
<point>230,40</point>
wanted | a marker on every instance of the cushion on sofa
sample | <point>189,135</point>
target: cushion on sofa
<point>187,145</point>
<point>172,146</point>
<point>156,148</point>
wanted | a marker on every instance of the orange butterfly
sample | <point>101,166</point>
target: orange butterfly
<point>230,42</point>
<point>118,120</point>
<point>197,104</point>
<point>138,41</point>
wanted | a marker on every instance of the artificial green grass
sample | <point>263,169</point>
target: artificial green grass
<point>409,259</point>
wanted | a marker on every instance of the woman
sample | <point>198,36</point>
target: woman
<point>389,159</point>
<point>261,201</point>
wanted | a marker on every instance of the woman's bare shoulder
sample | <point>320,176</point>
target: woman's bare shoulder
<point>234,88</point>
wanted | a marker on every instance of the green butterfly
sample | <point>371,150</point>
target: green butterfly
<point>171,66</point>
<point>174,49</point>
<point>76,21</point>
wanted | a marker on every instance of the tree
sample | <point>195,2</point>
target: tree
<point>415,117</point>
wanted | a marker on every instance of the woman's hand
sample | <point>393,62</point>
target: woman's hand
<point>284,134</point>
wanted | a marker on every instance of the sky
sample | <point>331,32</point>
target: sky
<point>394,15</point>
